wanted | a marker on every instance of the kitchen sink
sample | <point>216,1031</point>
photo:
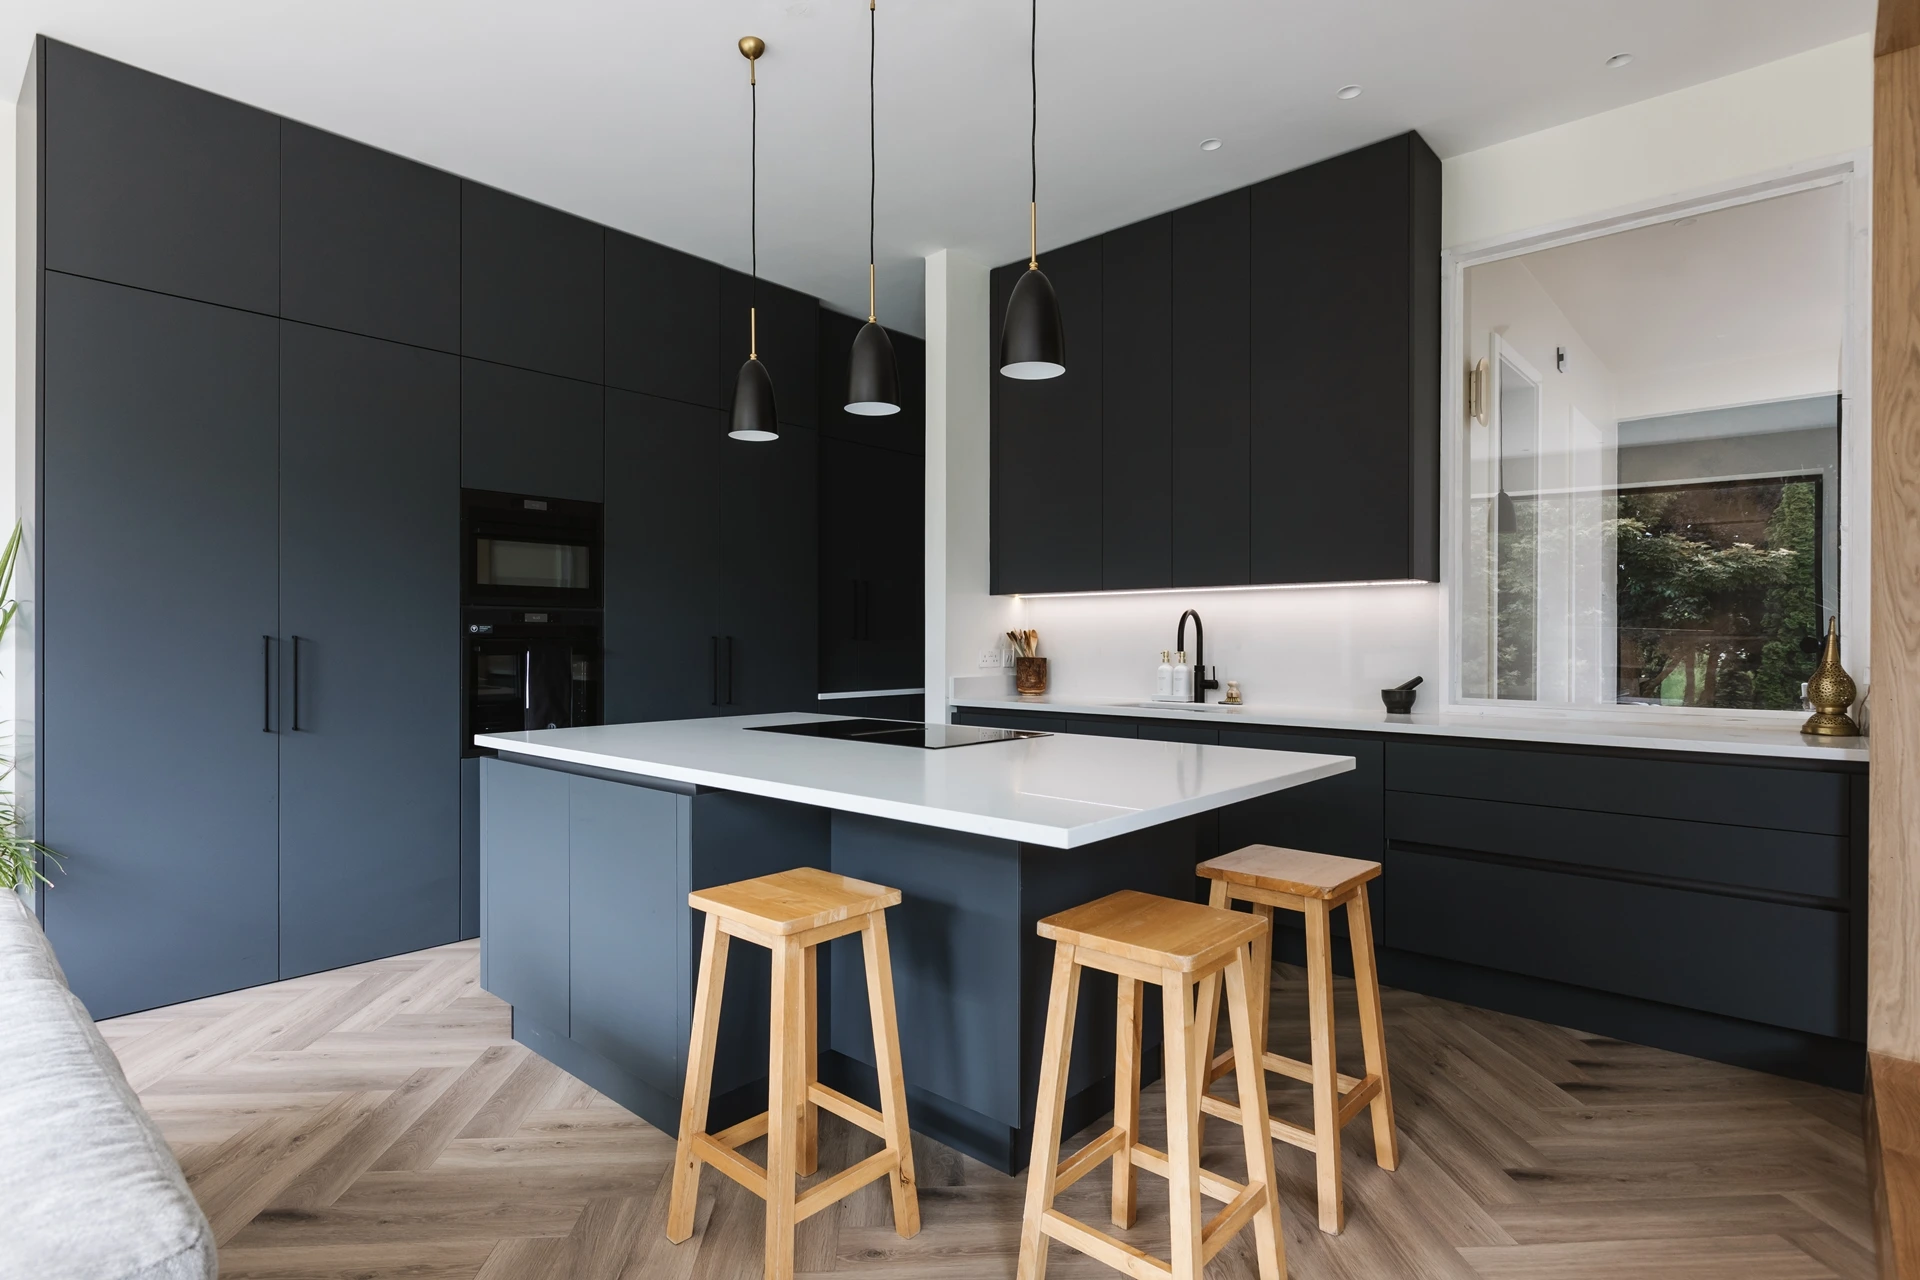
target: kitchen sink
<point>1186,706</point>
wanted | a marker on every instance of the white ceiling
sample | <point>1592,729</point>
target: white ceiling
<point>635,114</point>
<point>1761,280</point>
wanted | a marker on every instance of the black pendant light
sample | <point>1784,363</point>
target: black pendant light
<point>1033,342</point>
<point>873,378</point>
<point>754,416</point>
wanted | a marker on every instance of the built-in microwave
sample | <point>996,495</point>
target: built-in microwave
<point>518,549</point>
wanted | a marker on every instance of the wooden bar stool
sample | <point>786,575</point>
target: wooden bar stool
<point>1173,945</point>
<point>1313,884</point>
<point>790,914</point>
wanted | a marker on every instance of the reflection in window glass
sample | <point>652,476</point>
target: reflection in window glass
<point>1652,505</point>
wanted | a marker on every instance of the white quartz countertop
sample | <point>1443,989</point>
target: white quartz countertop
<point>1062,791</point>
<point>1625,729</point>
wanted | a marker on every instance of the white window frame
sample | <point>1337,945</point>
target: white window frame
<point>1853,173</point>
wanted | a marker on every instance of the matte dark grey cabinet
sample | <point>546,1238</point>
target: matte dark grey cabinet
<point>768,572</point>
<point>789,328</point>
<point>1212,359</point>
<point>369,242</point>
<point>525,432</point>
<point>1046,519</point>
<point>872,567</point>
<point>370,681</point>
<point>1136,392</point>
<point>1346,387</point>
<point>153,183</point>
<point>663,322</point>
<point>158,760</point>
<point>523,858</point>
<point>532,285</point>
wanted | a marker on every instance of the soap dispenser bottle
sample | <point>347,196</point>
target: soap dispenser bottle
<point>1163,678</point>
<point>1182,678</point>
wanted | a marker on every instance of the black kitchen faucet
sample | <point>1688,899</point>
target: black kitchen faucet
<point>1201,680</point>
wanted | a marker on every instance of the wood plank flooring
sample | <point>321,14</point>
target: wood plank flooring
<point>377,1122</point>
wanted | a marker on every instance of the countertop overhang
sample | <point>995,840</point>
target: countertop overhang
<point>1626,729</point>
<point>1063,791</point>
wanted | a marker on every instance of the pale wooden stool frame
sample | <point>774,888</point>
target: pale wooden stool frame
<point>1337,1098</point>
<point>792,1127</point>
<point>1195,1241</point>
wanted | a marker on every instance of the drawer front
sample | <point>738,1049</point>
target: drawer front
<point>1177,731</point>
<point>1649,786</point>
<point>1103,728</point>
<point>1766,962</point>
<point>1339,815</point>
<point>1786,862</point>
<point>1009,720</point>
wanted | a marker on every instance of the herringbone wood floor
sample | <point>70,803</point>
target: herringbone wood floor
<point>377,1121</point>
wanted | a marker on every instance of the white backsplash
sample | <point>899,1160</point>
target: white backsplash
<point>1327,648</point>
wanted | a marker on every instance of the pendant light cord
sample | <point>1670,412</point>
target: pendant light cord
<point>873,155</point>
<point>753,215</point>
<point>1033,143</point>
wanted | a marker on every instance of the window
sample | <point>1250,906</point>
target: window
<point>1648,497</point>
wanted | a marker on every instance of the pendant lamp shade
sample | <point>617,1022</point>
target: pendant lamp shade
<point>873,377</point>
<point>754,415</point>
<point>1033,342</point>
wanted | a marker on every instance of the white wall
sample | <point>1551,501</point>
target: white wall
<point>6,387</point>
<point>1808,107</point>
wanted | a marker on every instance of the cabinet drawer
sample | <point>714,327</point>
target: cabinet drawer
<point>1650,786</point>
<point>1010,720</point>
<point>1175,731</point>
<point>1781,965</point>
<point>1793,862</point>
<point>1101,728</point>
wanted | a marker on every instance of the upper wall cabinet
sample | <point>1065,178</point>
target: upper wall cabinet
<point>369,242</point>
<point>532,285</point>
<point>663,318</point>
<point>1047,445</point>
<point>1346,379</point>
<point>524,432</point>
<point>155,184</point>
<point>789,328</point>
<point>1252,392</point>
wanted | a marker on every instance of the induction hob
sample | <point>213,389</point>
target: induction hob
<point>900,733</point>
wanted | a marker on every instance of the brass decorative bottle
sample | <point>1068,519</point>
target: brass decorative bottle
<point>1831,691</point>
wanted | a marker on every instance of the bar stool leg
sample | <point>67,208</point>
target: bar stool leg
<point>893,1086</point>
<point>1062,999</point>
<point>693,1101</point>
<point>1260,981</point>
<point>807,1161</point>
<point>1126,1098</point>
<point>1326,1077</point>
<point>784,1103</point>
<point>1180,1032</point>
<point>1269,1246</point>
<point>1373,1039</point>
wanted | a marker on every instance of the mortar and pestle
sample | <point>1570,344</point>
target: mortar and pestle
<point>1399,699</point>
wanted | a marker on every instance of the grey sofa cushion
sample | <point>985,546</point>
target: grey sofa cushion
<point>91,1190</point>
<point>24,952</point>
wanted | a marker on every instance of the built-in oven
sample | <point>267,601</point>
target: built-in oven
<point>523,550</point>
<point>529,669</point>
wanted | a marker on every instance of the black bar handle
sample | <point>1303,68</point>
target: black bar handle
<point>296,684</point>
<point>729,670</point>
<point>713,670</point>
<point>266,684</point>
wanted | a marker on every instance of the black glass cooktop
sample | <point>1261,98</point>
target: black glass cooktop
<point>899,733</point>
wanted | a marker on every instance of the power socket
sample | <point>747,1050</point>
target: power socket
<point>990,658</point>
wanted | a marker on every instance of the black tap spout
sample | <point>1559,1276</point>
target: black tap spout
<point>1201,681</point>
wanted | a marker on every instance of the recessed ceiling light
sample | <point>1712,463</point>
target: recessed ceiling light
<point>1686,222</point>
<point>1210,144</point>
<point>1619,59</point>
<point>1347,92</point>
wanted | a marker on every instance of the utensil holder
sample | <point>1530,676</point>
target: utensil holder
<point>1029,675</point>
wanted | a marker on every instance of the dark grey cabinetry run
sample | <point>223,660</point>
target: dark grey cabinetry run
<point>523,861</point>
<point>1046,483</point>
<point>526,432</point>
<point>663,323</point>
<point>369,242</point>
<point>1252,392</point>
<point>371,672</point>
<point>872,570</point>
<point>532,285</point>
<point>153,183</point>
<point>1346,383</point>
<point>711,598</point>
<point>158,767</point>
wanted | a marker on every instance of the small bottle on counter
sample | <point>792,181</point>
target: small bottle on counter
<point>1163,678</point>
<point>1182,678</point>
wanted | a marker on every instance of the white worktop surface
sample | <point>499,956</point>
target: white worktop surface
<point>1626,729</point>
<point>1063,791</point>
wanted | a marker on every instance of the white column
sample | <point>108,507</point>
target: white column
<point>962,618</point>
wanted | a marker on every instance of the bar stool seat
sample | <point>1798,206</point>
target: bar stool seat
<point>1315,885</point>
<point>1174,945</point>
<point>791,913</point>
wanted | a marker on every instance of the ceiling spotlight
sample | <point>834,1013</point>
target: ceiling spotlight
<point>1347,92</point>
<point>1210,144</point>
<point>1686,222</point>
<point>1619,59</point>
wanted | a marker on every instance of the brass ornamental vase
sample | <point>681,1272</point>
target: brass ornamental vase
<point>1831,692</point>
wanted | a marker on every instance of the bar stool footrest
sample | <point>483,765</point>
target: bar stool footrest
<point>1212,1185</point>
<point>1088,1158</point>
<point>852,1110</point>
<point>1101,1247</point>
<point>1291,1068</point>
<point>1227,1223</point>
<point>825,1194</point>
<point>708,1148</point>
